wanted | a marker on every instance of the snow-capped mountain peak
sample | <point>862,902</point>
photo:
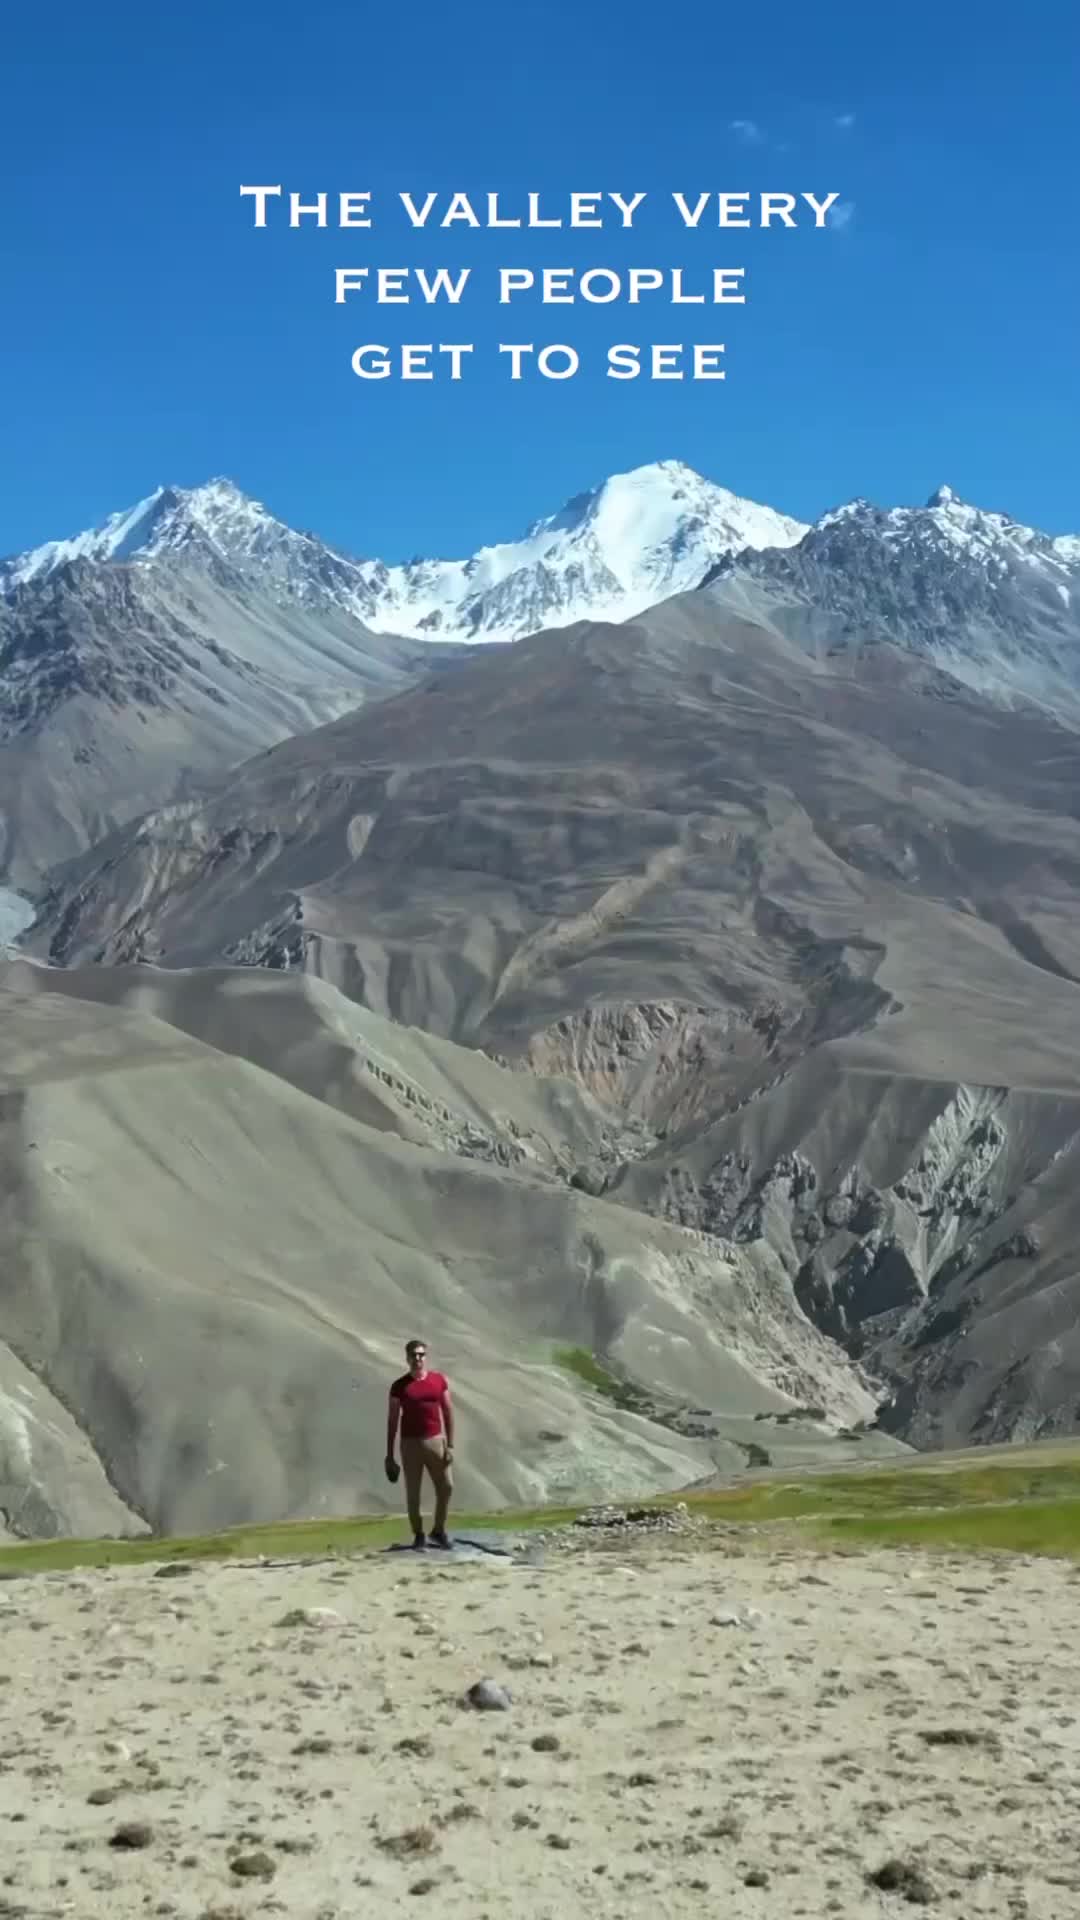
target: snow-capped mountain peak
<point>606,554</point>
<point>166,519</point>
<point>988,532</point>
<point>632,516</point>
<point>946,521</point>
<point>222,514</point>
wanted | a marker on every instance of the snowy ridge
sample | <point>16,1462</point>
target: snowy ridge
<point>120,535</point>
<point>994,603</point>
<point>607,554</point>
<point>992,538</point>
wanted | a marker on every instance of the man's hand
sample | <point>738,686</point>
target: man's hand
<point>392,1469</point>
<point>448,1455</point>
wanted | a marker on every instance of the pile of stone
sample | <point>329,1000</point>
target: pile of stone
<point>676,1519</point>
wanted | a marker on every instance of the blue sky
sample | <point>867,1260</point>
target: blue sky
<point>148,332</point>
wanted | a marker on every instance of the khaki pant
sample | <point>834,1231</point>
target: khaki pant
<point>418,1457</point>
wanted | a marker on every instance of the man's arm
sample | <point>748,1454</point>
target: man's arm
<point>393,1416</point>
<point>447,1419</point>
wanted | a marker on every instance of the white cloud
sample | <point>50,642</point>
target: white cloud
<point>842,215</point>
<point>844,121</point>
<point>748,131</point>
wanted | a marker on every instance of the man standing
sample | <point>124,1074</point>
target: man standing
<point>420,1403</point>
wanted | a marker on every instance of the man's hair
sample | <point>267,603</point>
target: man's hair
<point>413,1346</point>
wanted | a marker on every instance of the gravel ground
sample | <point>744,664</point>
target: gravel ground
<point>691,1726</point>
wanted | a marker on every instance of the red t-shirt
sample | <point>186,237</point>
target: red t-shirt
<point>421,1409</point>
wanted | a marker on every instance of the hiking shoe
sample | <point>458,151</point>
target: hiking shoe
<point>419,1540</point>
<point>441,1539</point>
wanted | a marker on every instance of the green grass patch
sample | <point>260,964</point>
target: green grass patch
<point>1030,1505</point>
<point>1043,1526</point>
<point>585,1365</point>
<point>889,1490</point>
<point>615,1387</point>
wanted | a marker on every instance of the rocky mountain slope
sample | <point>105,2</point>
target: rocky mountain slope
<point>123,685</point>
<point>994,603</point>
<point>812,924</point>
<point>230,1198</point>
